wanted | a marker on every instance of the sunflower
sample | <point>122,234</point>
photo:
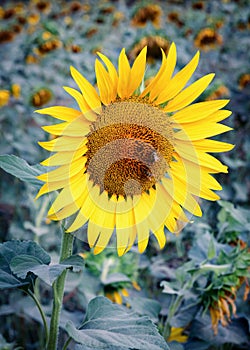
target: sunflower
<point>154,43</point>
<point>133,161</point>
<point>208,39</point>
<point>150,12</point>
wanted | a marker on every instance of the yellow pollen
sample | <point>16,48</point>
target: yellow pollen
<point>129,147</point>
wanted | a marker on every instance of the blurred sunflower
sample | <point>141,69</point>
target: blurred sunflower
<point>219,91</point>
<point>41,97</point>
<point>155,44</point>
<point>177,334</point>
<point>208,39</point>
<point>132,161</point>
<point>150,12</point>
<point>244,81</point>
<point>116,294</point>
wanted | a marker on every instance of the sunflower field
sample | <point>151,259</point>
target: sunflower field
<point>124,163</point>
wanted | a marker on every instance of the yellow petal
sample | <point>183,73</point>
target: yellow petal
<point>142,207</point>
<point>87,90</point>
<point>104,214</point>
<point>188,95</point>
<point>178,190</point>
<point>160,211</point>
<point>68,195</point>
<point>143,204</point>
<point>196,177</point>
<point>79,127</point>
<point>218,116</point>
<point>56,185</point>
<point>125,239</point>
<point>49,187</point>
<point>124,75</point>
<point>137,71</point>
<point>164,74</point>
<point>117,298</point>
<point>142,235</point>
<point>124,223</point>
<point>160,236</point>
<point>62,158</point>
<point>198,111</point>
<point>175,211</point>
<point>82,103</point>
<point>60,112</point>
<point>202,159</point>
<point>104,83</point>
<point>64,144</point>
<point>68,210</point>
<point>87,208</point>
<point>167,207</point>
<point>93,233</point>
<point>84,107</point>
<point>179,81</point>
<point>103,240</point>
<point>131,238</point>
<point>213,146</point>
<point>64,172</point>
<point>151,86</point>
<point>112,73</point>
<point>198,131</point>
<point>204,193</point>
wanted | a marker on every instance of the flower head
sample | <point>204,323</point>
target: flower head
<point>129,161</point>
<point>155,44</point>
<point>41,97</point>
<point>150,12</point>
<point>176,334</point>
<point>208,39</point>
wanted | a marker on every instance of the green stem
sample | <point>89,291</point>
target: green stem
<point>42,211</point>
<point>39,306</point>
<point>175,304</point>
<point>58,289</point>
<point>67,343</point>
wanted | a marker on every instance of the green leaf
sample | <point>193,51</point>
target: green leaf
<point>176,346</point>
<point>168,289</point>
<point>236,332</point>
<point>19,168</point>
<point>75,262</point>
<point>115,278</point>
<point>236,213</point>
<point>23,264</point>
<point>11,250</point>
<point>202,247</point>
<point>217,269</point>
<point>9,281</point>
<point>145,307</point>
<point>108,326</point>
<point>211,249</point>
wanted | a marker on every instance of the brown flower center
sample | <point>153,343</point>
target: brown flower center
<point>129,147</point>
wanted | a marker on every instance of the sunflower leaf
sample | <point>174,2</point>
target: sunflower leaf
<point>23,264</point>
<point>12,250</point>
<point>19,168</point>
<point>110,326</point>
<point>115,278</point>
<point>145,307</point>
